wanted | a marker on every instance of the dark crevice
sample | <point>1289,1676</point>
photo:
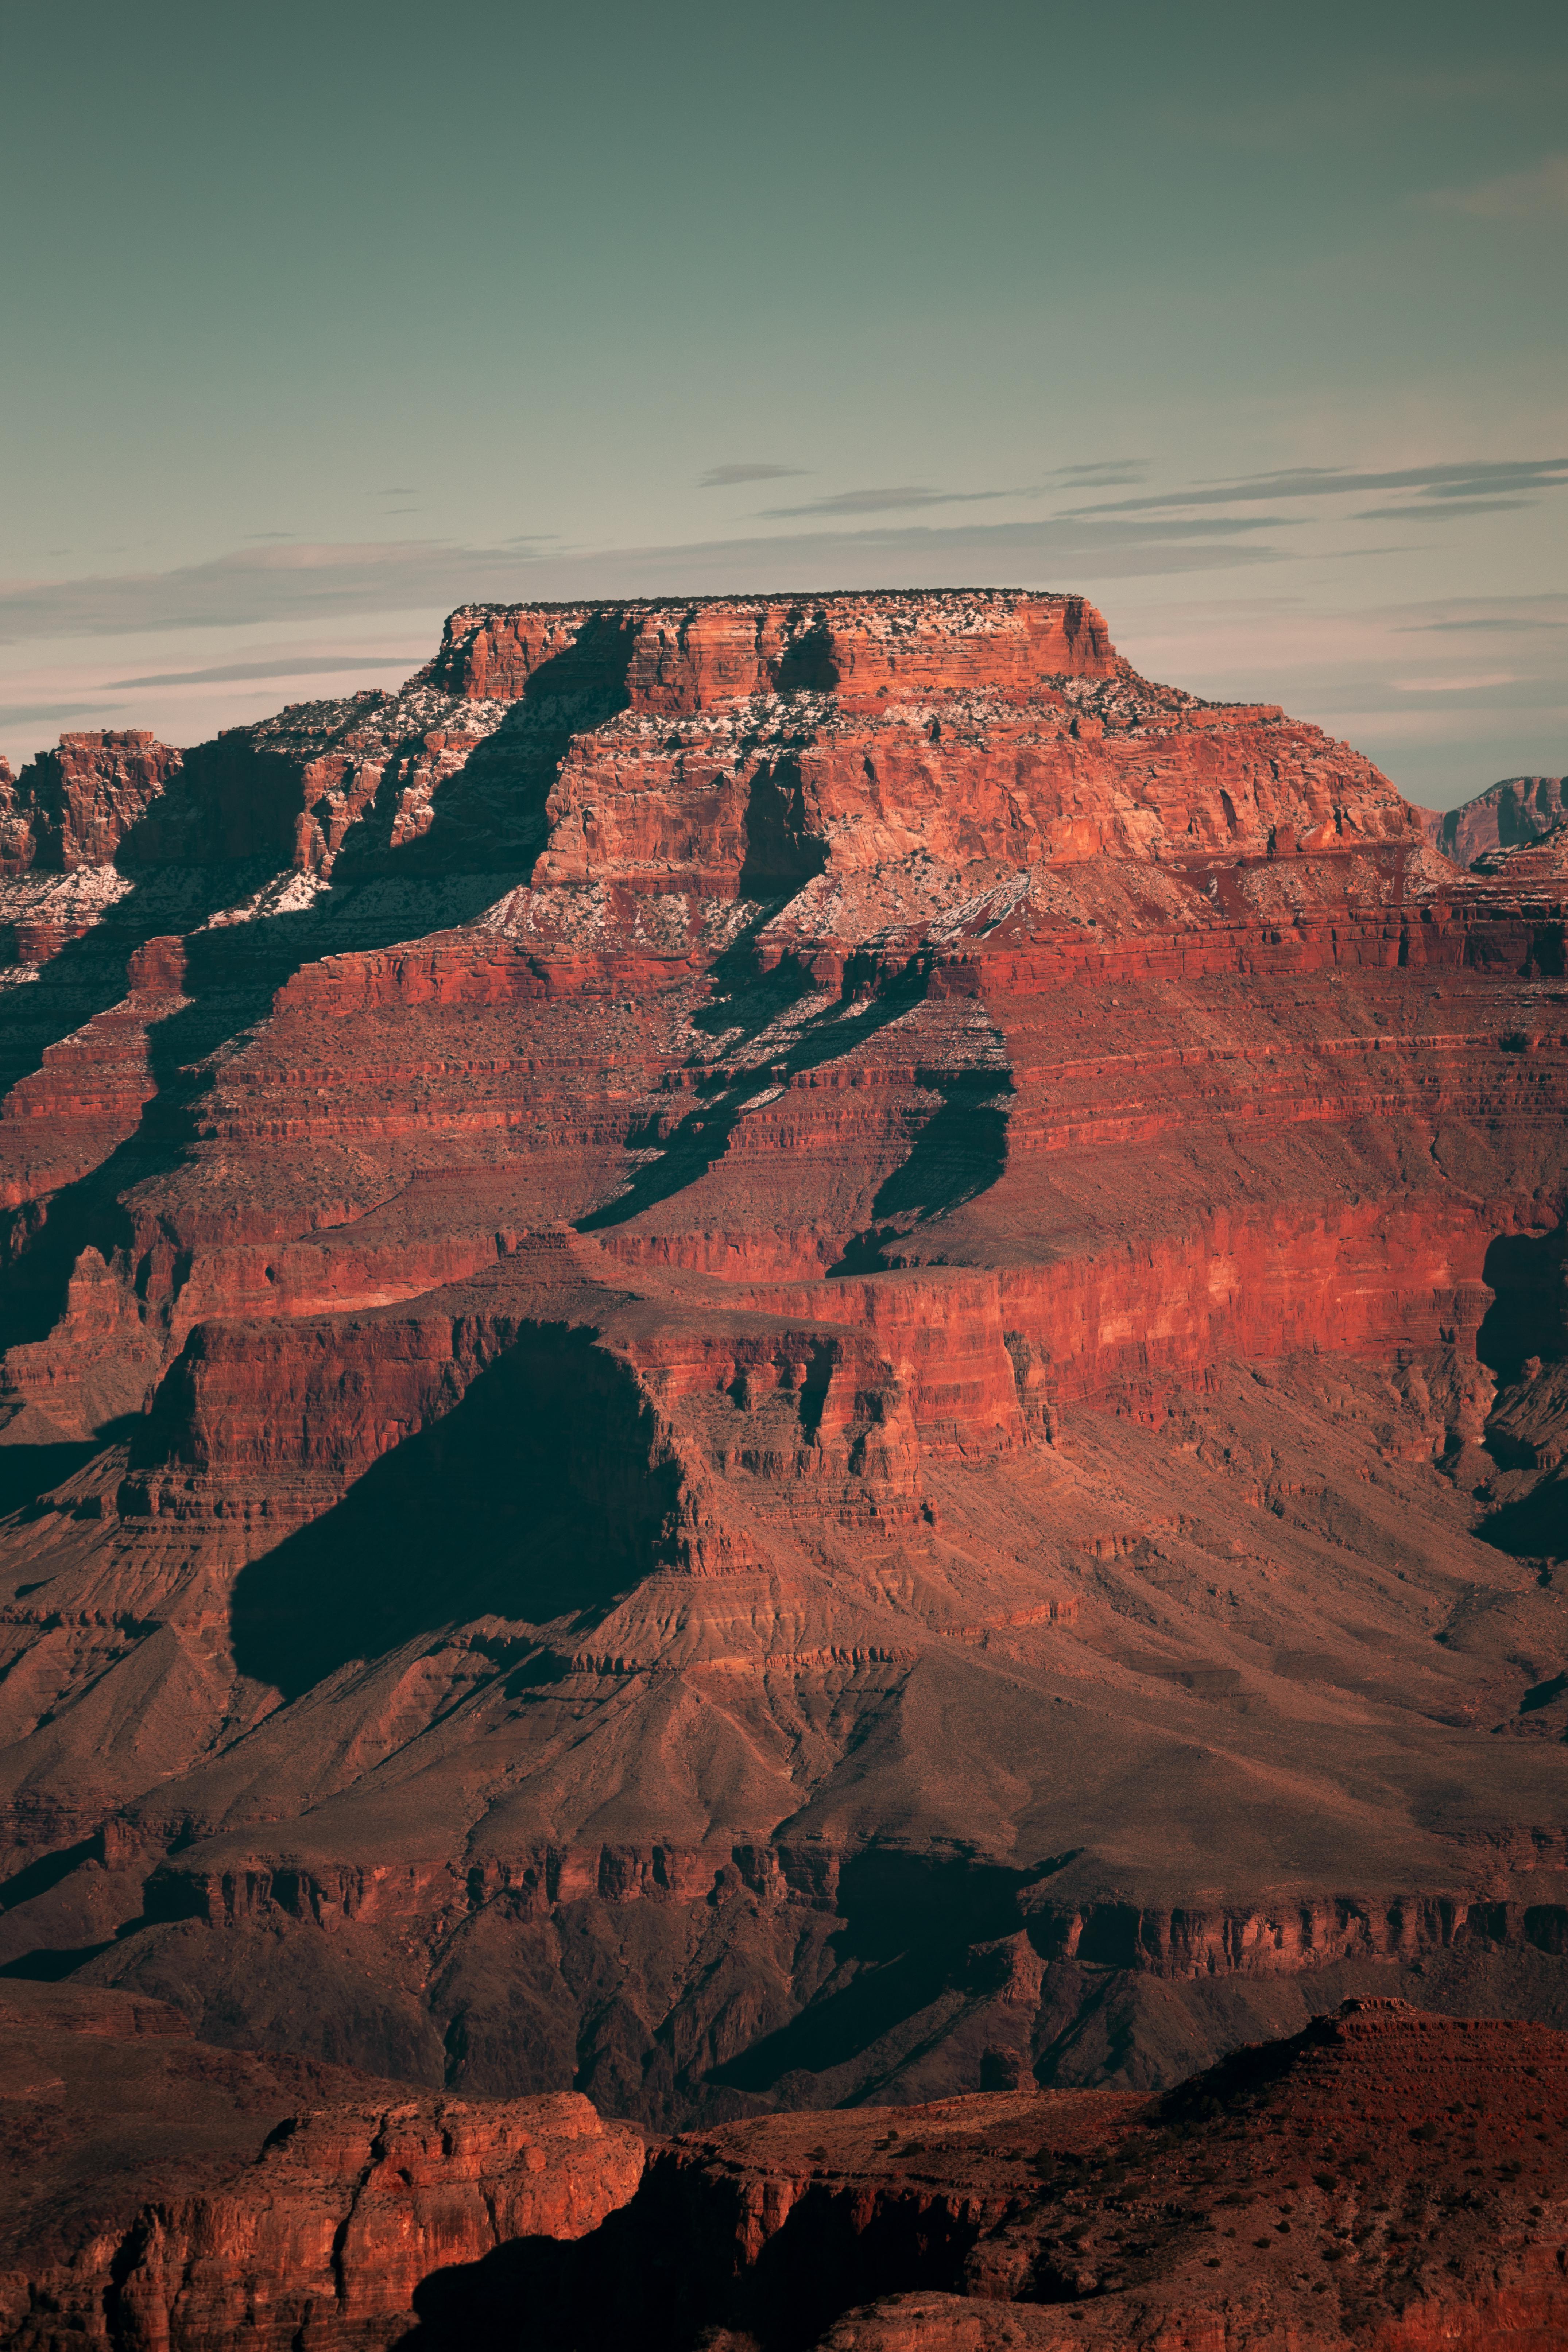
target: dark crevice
<point>1529,1313</point>
<point>536,1496</point>
<point>704,1135</point>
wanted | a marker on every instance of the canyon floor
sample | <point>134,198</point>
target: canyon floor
<point>778,1354</point>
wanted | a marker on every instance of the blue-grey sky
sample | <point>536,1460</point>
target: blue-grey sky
<point>1247,322</point>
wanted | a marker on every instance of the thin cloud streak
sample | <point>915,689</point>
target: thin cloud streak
<point>1419,628</point>
<point>886,501</point>
<point>724,477</point>
<point>1108,471</point>
<point>1453,513</point>
<point>300,584</point>
<point>1479,477</point>
<point>25,714</point>
<point>1538,193</point>
<point>231,673</point>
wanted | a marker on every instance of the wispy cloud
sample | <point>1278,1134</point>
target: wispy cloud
<point>1477,478</point>
<point>724,477</point>
<point>1364,105</point>
<point>1539,194</point>
<point>26,714</point>
<point>1425,628</point>
<point>298,586</point>
<point>1108,471</point>
<point>306,666</point>
<point>888,500</point>
<point>1415,512</point>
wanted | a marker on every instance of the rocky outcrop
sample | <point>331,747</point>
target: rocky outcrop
<point>1506,816</point>
<point>137,2213</point>
<point>325,2240</point>
<point>1382,2179</point>
<point>73,807</point>
<point>109,2101</point>
<point>672,659</point>
<point>1543,860</point>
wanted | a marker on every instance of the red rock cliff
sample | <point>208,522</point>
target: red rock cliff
<point>737,1271</point>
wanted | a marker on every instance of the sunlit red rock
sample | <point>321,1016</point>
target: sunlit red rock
<point>751,1296</point>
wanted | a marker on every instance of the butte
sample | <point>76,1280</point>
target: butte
<point>767,1352</point>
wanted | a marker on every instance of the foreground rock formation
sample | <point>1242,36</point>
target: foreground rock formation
<point>768,1351</point>
<point>1383,2179</point>
<point>135,2210</point>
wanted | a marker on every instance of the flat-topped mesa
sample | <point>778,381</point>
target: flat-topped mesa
<point>679,656</point>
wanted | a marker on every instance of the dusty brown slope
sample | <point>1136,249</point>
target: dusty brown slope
<point>895,1408</point>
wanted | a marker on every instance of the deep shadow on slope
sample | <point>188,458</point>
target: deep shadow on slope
<point>535,1497</point>
<point>909,1920</point>
<point>960,1153</point>
<point>640,2280</point>
<point>489,822</point>
<point>1529,1313</point>
<point>958,1149</point>
<point>231,976</point>
<point>1525,1328</point>
<point>490,815</point>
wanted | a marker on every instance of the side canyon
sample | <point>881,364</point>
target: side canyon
<point>776,1353</point>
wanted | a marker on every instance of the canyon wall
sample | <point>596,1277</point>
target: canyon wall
<point>1381,2179</point>
<point>761,1343</point>
<point>1506,816</point>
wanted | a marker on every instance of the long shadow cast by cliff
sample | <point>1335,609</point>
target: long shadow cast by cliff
<point>702,1138</point>
<point>535,1497</point>
<point>490,815</point>
<point>908,1922</point>
<point>1528,1320</point>
<point>959,1153</point>
<point>231,976</point>
<point>488,823</point>
<point>1528,1274</point>
<point>667,2273</point>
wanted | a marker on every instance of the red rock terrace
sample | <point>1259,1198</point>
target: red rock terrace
<point>769,1352</point>
<point>1383,2179</point>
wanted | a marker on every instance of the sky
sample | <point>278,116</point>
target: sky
<point>1248,323</point>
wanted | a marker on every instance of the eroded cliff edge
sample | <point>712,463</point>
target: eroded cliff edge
<point>769,1348</point>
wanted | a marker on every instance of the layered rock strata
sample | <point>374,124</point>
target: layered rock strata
<point>1382,2179</point>
<point>138,2213</point>
<point>1508,815</point>
<point>810,1307</point>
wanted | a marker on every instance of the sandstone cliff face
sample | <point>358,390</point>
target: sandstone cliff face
<point>1505,817</point>
<point>324,2242</point>
<point>760,1343</point>
<point>1382,2179</point>
<point>135,2210</point>
<point>110,2101</point>
<point>74,806</point>
<point>674,658</point>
